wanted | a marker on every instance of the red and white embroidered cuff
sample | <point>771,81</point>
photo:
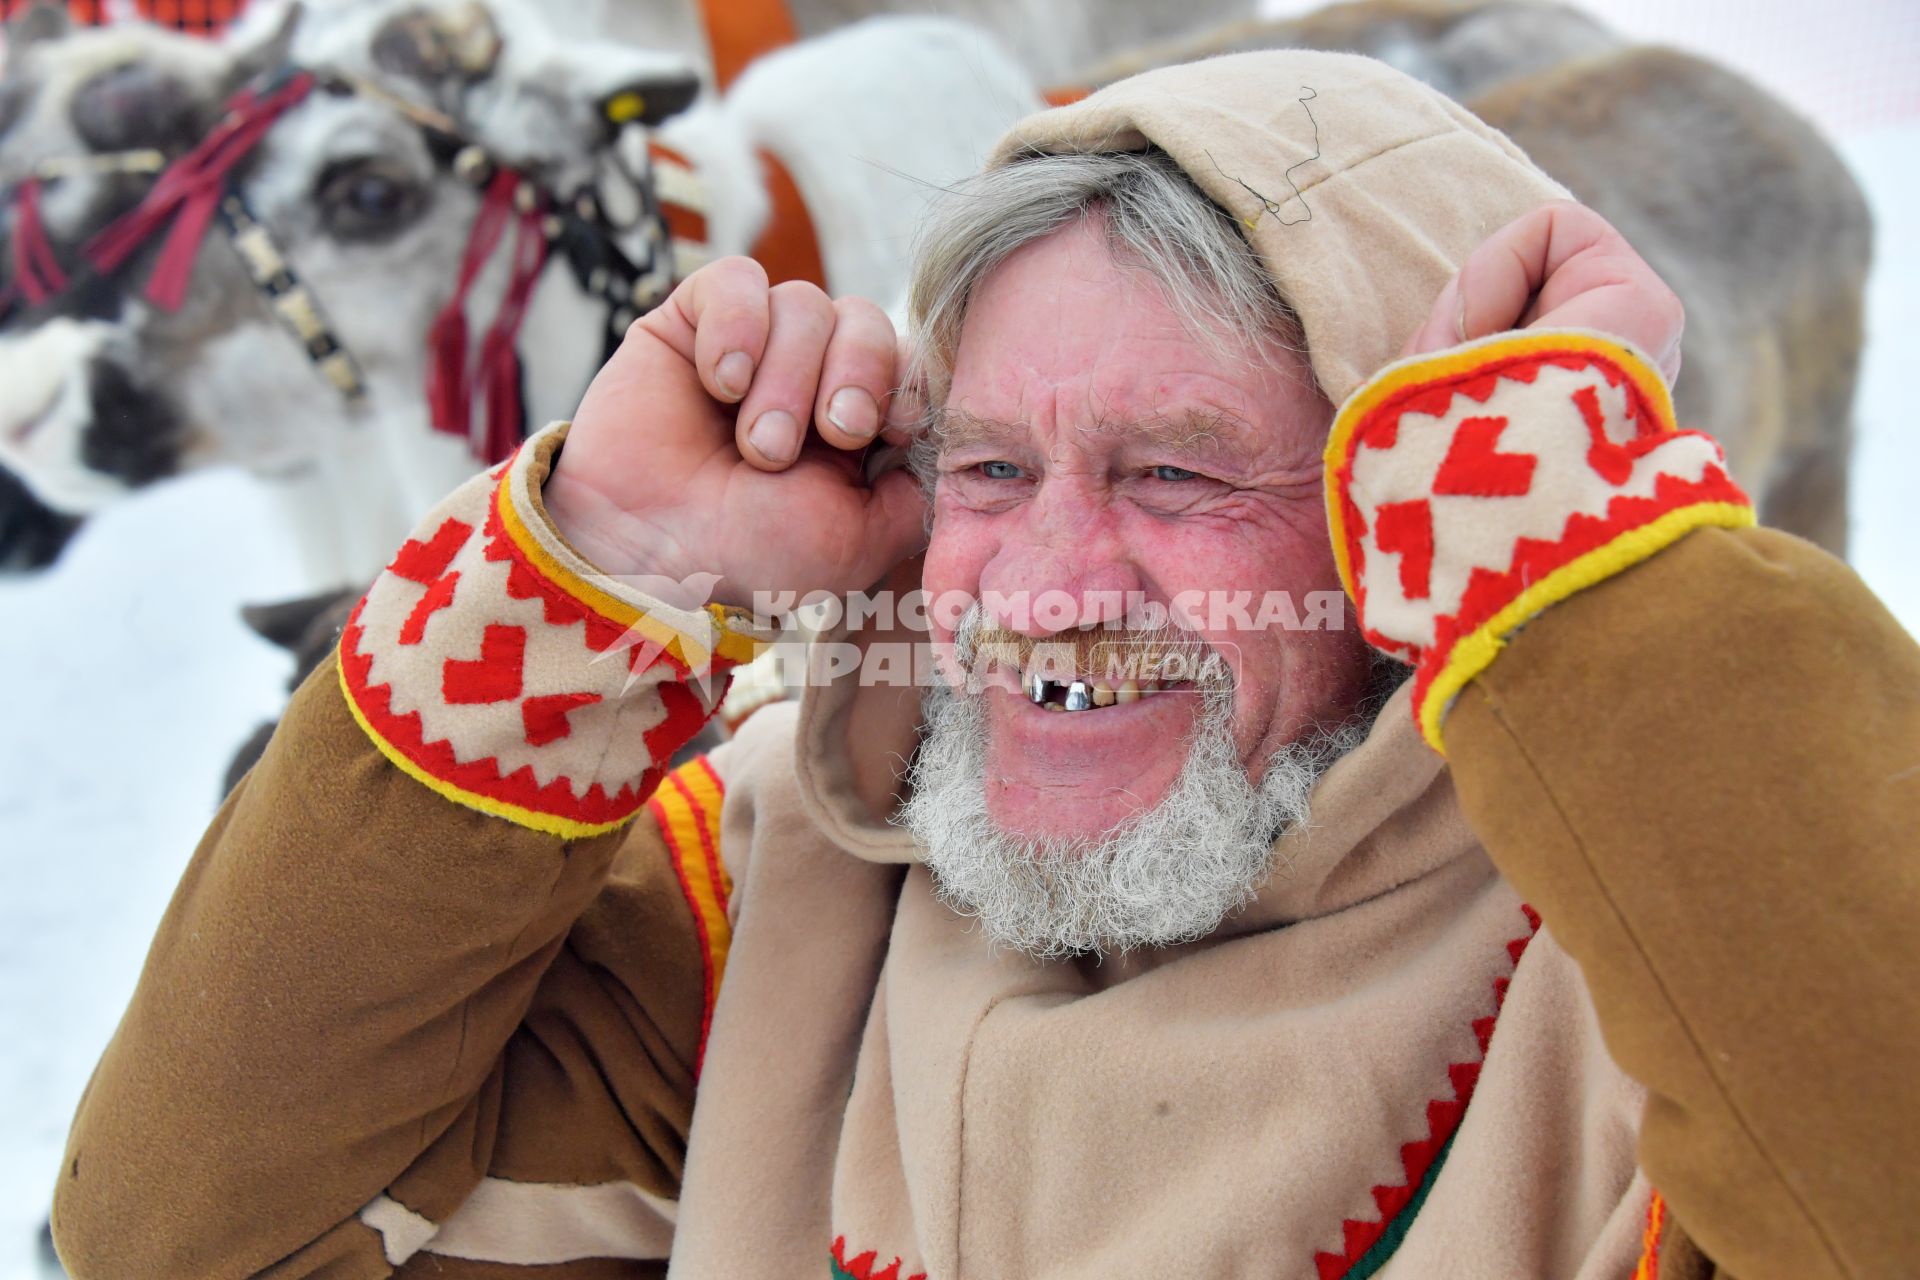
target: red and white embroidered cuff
<point>1471,489</point>
<point>494,665</point>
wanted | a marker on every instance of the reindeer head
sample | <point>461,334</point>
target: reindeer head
<point>362,190</point>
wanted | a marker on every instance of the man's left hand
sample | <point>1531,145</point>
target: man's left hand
<point>1561,266</point>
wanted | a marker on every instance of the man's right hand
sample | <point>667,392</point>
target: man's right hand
<point>725,436</point>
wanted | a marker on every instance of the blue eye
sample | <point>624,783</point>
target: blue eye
<point>999,471</point>
<point>1173,473</point>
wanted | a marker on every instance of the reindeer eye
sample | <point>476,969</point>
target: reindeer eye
<point>369,199</point>
<point>373,196</point>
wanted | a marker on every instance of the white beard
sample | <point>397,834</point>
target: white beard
<point>1167,875</point>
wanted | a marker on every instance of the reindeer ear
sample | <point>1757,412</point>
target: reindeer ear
<point>650,101</point>
<point>268,53</point>
<point>626,86</point>
<point>288,623</point>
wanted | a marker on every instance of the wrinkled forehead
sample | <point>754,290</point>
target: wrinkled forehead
<point>1064,343</point>
<point>1202,436</point>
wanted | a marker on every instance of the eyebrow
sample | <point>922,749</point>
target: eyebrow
<point>1198,433</point>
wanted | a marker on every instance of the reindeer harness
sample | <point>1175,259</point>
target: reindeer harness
<point>662,207</point>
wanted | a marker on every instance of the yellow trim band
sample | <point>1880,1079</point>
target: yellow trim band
<point>684,648</point>
<point>519,815</point>
<point>1474,652</point>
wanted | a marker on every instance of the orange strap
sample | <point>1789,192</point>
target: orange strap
<point>1651,1239</point>
<point>687,806</point>
<point>788,248</point>
<point>738,31</point>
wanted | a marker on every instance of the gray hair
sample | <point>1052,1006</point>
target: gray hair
<point>1155,218</point>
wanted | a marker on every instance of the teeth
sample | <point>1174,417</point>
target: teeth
<point>1083,694</point>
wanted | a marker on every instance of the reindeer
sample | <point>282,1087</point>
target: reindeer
<point>1739,203</point>
<point>1052,39</point>
<point>305,346</point>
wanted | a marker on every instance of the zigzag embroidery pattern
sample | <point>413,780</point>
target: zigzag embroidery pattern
<point>862,1266</point>
<point>495,675</point>
<point>1367,1244</point>
<point>1539,571</point>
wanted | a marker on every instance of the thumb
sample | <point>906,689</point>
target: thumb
<point>896,525</point>
<point>1445,325</point>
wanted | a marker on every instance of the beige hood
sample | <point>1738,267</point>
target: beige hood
<point>1361,211</point>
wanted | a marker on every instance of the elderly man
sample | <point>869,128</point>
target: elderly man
<point>1054,975</point>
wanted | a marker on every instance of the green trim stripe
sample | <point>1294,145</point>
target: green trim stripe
<point>1383,1248</point>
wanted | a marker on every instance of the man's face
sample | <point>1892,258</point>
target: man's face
<point>1095,447</point>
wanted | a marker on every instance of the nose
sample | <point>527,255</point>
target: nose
<point>1061,564</point>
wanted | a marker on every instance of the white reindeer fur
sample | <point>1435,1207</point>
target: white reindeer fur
<point>871,121</point>
<point>45,408</point>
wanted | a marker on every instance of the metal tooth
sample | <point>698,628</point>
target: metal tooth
<point>1079,696</point>
<point>1037,689</point>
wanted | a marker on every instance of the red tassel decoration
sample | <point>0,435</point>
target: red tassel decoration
<point>187,194</point>
<point>36,270</point>
<point>449,392</point>
<point>447,408</point>
<point>499,370</point>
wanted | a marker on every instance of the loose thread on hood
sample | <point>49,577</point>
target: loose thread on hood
<point>1267,203</point>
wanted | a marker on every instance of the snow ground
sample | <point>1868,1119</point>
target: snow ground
<point>134,680</point>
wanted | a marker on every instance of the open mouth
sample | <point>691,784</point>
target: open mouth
<point>1087,694</point>
<point>1093,671</point>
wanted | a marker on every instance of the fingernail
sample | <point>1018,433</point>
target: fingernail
<point>775,435</point>
<point>734,373</point>
<point>1460,316</point>
<point>854,412</point>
